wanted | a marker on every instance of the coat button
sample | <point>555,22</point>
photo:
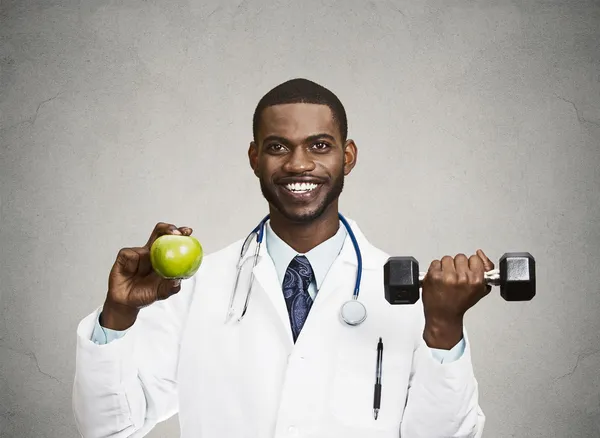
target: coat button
<point>293,431</point>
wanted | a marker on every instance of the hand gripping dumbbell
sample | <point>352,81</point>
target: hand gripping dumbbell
<point>516,278</point>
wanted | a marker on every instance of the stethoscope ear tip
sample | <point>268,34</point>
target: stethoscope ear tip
<point>229,316</point>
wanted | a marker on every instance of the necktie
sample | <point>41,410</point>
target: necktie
<point>295,290</point>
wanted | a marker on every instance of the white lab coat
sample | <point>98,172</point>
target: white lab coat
<point>249,380</point>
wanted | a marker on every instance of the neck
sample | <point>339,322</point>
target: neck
<point>304,236</point>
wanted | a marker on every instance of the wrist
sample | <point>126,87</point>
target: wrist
<point>443,335</point>
<point>116,316</point>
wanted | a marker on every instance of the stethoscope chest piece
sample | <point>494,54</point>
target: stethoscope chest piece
<point>353,312</point>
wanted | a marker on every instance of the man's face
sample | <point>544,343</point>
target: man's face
<point>301,160</point>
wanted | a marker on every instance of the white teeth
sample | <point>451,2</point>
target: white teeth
<point>301,187</point>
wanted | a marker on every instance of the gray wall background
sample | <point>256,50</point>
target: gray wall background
<point>477,123</point>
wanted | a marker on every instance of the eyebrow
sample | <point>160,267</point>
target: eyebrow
<point>307,139</point>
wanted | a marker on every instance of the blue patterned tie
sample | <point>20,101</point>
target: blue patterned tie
<point>295,290</point>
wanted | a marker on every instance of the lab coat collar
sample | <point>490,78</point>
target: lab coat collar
<point>367,250</point>
<point>347,254</point>
<point>320,257</point>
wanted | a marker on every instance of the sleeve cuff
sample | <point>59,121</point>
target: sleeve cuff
<point>102,335</point>
<point>448,356</point>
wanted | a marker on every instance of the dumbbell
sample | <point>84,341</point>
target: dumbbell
<point>516,278</point>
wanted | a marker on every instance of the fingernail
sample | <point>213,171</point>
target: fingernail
<point>176,283</point>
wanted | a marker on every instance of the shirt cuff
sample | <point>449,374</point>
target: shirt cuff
<point>102,335</point>
<point>448,356</point>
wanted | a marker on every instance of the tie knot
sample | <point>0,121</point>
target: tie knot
<point>300,269</point>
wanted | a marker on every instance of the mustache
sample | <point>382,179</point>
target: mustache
<point>300,179</point>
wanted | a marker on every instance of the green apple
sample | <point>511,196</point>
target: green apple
<point>173,256</point>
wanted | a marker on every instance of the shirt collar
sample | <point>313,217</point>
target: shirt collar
<point>321,257</point>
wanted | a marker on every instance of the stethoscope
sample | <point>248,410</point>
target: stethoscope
<point>352,312</point>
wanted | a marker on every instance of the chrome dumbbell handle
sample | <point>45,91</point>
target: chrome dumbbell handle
<point>491,277</point>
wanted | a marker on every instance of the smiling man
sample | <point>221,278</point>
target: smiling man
<point>289,366</point>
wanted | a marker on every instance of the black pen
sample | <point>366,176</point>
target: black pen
<point>377,395</point>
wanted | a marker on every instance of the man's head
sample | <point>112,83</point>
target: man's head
<point>300,151</point>
<point>302,91</point>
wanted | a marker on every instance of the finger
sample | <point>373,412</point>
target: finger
<point>477,268</point>
<point>186,231</point>
<point>127,261</point>
<point>144,264</point>
<point>461,265</point>
<point>435,270</point>
<point>476,264</point>
<point>435,266</point>
<point>488,265</point>
<point>448,274</point>
<point>167,288</point>
<point>448,264</point>
<point>161,229</point>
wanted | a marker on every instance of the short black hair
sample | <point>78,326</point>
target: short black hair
<point>301,90</point>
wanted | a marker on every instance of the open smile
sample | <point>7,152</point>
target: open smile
<point>300,190</point>
<point>301,187</point>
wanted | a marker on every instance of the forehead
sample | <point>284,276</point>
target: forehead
<point>297,121</point>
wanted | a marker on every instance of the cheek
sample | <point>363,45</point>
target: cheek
<point>265,170</point>
<point>336,168</point>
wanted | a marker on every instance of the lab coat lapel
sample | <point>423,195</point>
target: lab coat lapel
<point>266,277</point>
<point>341,277</point>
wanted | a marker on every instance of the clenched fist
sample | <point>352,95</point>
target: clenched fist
<point>450,288</point>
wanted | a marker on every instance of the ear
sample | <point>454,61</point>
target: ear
<point>350,156</point>
<point>253,157</point>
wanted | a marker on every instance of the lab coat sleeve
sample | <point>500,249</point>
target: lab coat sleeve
<point>125,387</point>
<point>102,335</point>
<point>447,356</point>
<point>443,399</point>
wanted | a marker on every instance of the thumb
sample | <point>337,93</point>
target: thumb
<point>487,266</point>
<point>487,263</point>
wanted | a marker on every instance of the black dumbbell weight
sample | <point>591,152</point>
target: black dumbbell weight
<point>515,276</point>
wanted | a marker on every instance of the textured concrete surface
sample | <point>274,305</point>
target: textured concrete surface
<point>477,122</point>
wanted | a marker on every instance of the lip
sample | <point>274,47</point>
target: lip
<point>303,179</point>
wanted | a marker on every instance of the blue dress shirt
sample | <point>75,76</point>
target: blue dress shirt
<point>320,257</point>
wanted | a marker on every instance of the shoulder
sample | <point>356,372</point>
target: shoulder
<point>377,254</point>
<point>227,252</point>
<point>373,257</point>
<point>221,258</point>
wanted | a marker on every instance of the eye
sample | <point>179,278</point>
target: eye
<point>321,146</point>
<point>276,148</point>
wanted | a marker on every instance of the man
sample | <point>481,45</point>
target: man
<point>290,367</point>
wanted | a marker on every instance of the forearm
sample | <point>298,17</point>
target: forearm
<point>442,398</point>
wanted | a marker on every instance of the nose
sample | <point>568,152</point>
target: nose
<point>299,161</point>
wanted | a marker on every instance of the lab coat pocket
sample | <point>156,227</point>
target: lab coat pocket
<point>353,386</point>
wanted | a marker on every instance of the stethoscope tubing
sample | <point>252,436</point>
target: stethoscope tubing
<point>259,231</point>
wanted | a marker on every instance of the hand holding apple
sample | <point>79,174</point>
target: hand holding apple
<point>134,282</point>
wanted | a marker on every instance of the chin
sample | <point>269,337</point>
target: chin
<point>297,211</point>
<point>303,217</point>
